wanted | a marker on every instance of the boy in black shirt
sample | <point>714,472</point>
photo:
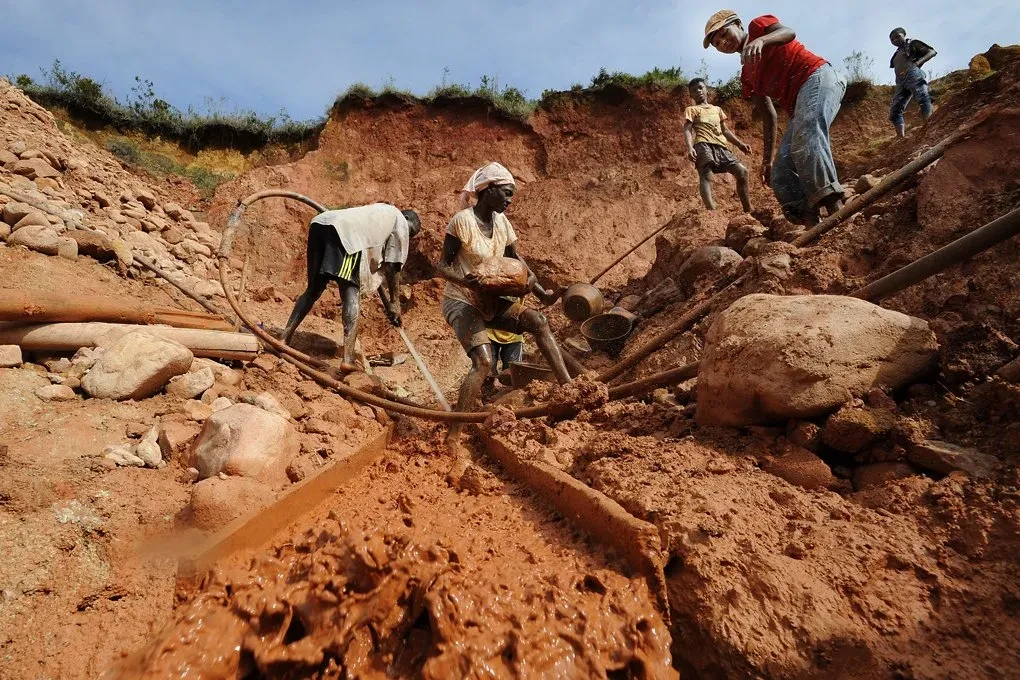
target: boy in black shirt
<point>910,55</point>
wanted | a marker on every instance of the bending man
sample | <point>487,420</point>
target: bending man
<point>777,66</point>
<point>357,248</point>
<point>473,235</point>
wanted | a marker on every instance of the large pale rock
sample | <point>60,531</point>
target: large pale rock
<point>149,450</point>
<point>246,441</point>
<point>55,393</point>
<point>33,168</point>
<point>191,385</point>
<point>771,358</point>
<point>944,458</point>
<point>10,356</point>
<point>135,366</point>
<point>711,261</point>
<point>216,502</point>
<point>15,211</point>
<point>38,238</point>
<point>34,218</point>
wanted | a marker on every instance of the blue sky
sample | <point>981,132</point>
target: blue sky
<point>297,55</point>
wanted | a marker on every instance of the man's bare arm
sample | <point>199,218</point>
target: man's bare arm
<point>769,122</point>
<point>928,56</point>
<point>776,34</point>
<point>746,148</point>
<point>451,246</point>
<point>689,141</point>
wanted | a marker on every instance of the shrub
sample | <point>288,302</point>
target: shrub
<point>730,89</point>
<point>858,67</point>
<point>144,112</point>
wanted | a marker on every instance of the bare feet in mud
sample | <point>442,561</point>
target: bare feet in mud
<point>461,458</point>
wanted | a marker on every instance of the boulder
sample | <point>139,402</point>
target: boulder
<point>37,219</point>
<point>56,393</point>
<point>804,434</point>
<point>742,229</point>
<point>10,356</point>
<point>853,429</point>
<point>7,158</point>
<point>123,455</point>
<point>772,358</point>
<point>146,198</point>
<point>801,467</point>
<point>5,231</point>
<point>176,212</point>
<point>223,374</point>
<point>67,248</point>
<point>14,211</point>
<point>175,438</point>
<point>190,385</point>
<point>944,458</point>
<point>216,502</point>
<point>148,449</point>
<point>136,366</point>
<point>33,168</point>
<point>94,244</point>
<point>246,441</point>
<point>196,410</point>
<point>38,238</point>
<point>710,261</point>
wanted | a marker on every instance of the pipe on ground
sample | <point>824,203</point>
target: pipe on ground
<point>965,247</point>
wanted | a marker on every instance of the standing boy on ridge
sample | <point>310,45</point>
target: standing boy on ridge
<point>907,60</point>
<point>777,66</point>
<point>705,134</point>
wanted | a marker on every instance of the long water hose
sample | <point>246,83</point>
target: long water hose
<point>304,362</point>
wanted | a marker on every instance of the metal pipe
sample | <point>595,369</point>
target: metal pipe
<point>977,241</point>
<point>892,180</point>
<point>621,258</point>
<point>155,269</point>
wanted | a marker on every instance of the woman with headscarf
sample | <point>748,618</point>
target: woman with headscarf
<point>475,234</point>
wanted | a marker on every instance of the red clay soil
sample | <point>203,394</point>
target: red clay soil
<point>402,576</point>
<point>913,577</point>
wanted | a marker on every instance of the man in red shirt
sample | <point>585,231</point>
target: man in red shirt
<point>777,67</point>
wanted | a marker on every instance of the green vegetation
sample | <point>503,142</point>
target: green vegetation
<point>657,78</point>
<point>144,112</point>
<point>204,179</point>
<point>859,68</point>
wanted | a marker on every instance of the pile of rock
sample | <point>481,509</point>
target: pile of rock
<point>61,198</point>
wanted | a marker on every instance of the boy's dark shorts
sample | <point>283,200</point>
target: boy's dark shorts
<point>336,262</point>
<point>716,158</point>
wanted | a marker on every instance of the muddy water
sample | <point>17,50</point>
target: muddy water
<point>418,580</point>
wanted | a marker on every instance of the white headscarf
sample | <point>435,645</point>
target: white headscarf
<point>490,174</point>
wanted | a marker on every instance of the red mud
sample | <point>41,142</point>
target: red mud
<point>400,573</point>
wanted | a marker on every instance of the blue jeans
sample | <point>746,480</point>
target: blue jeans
<point>912,84</point>
<point>804,172</point>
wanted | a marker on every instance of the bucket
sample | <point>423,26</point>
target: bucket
<point>582,301</point>
<point>607,332</point>
<point>521,373</point>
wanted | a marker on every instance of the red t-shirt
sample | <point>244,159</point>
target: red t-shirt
<point>781,70</point>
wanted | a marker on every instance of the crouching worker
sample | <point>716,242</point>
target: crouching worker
<point>474,235</point>
<point>777,66</point>
<point>706,134</point>
<point>357,248</point>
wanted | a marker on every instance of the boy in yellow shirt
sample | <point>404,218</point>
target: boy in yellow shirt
<point>706,135</point>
